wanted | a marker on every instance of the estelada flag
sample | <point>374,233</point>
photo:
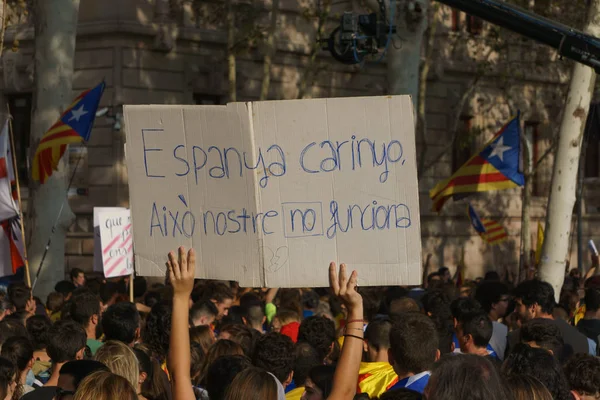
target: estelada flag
<point>73,126</point>
<point>376,378</point>
<point>12,255</point>
<point>489,230</point>
<point>8,206</point>
<point>496,167</point>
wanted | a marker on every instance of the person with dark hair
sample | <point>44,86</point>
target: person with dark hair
<point>8,373</point>
<point>20,351</point>
<point>494,298</point>
<point>583,375</point>
<point>66,343</point>
<point>414,348</point>
<point>221,348</point>
<point>20,297</point>
<point>121,322</point>
<point>526,387</point>
<point>401,394</point>
<point>465,376</point>
<point>156,331</point>
<point>463,308</point>
<point>10,328</point>
<point>255,318</point>
<point>589,325</point>
<point>77,277</point>
<point>376,374</point>
<point>274,353</point>
<point>306,357</point>
<point>542,333</point>
<point>535,299</point>
<point>445,275</point>
<point>319,383</point>
<point>310,302</point>
<point>65,288</point>
<point>203,312</point>
<point>219,294</point>
<point>319,332</point>
<point>240,334</point>
<point>436,302</point>
<point>85,310</point>
<point>222,372</point>
<point>152,384</point>
<point>474,332</point>
<point>539,363</point>
<point>54,304</point>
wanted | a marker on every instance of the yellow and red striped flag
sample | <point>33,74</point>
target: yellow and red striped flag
<point>489,230</point>
<point>496,167</point>
<point>73,126</point>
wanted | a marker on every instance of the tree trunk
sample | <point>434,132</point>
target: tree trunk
<point>231,51</point>
<point>269,52</point>
<point>526,207</point>
<point>55,34</point>
<point>404,52</point>
<point>564,174</point>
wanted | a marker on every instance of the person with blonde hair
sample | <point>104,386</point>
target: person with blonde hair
<point>104,385</point>
<point>253,384</point>
<point>121,360</point>
<point>526,387</point>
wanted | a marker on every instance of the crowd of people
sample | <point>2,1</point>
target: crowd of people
<point>189,339</point>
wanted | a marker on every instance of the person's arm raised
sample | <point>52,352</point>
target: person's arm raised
<point>345,378</point>
<point>182,270</point>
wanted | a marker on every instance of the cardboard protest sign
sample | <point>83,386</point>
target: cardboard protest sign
<point>98,265</point>
<point>116,237</point>
<point>269,193</point>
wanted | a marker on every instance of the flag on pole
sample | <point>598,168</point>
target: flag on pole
<point>73,126</point>
<point>540,243</point>
<point>8,206</point>
<point>490,231</point>
<point>496,167</point>
<point>12,255</point>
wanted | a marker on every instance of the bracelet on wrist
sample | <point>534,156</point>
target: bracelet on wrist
<point>353,336</point>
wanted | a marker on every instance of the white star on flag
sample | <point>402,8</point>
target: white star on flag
<point>77,113</point>
<point>499,148</point>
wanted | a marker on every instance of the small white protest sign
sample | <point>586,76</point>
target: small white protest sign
<point>98,266</point>
<point>116,236</point>
<point>268,193</point>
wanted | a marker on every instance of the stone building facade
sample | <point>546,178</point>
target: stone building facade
<point>174,52</point>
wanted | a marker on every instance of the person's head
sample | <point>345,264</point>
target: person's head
<point>37,327</point>
<point>282,318</point>
<point>462,307</point>
<point>121,322</point>
<point>306,357</point>
<point>9,373</point>
<point>319,332</point>
<point>85,309</point>
<point>203,312</point>
<point>156,332</point>
<point>433,277</point>
<point>592,299</point>
<point>151,384</point>
<point>240,334</point>
<point>493,297</point>
<point>120,359</point>
<point>444,273</point>
<point>404,304</point>
<point>474,332</point>
<point>202,335</point>
<point>526,387</point>
<point>255,317</point>
<point>20,296</point>
<point>221,348</point>
<point>414,344</point>
<point>65,288</point>
<point>310,300</point>
<point>465,376</point>
<point>55,302</point>
<point>533,299</point>
<point>66,342</point>
<point>252,384</point>
<point>583,375</point>
<point>103,385</point>
<point>544,334</point>
<point>71,375</point>
<point>19,350</point>
<point>377,340</point>
<point>222,297</point>
<point>77,277</point>
<point>444,326</point>
<point>539,363</point>
<point>274,352</point>
<point>222,372</point>
<point>436,302</point>
<point>319,383</point>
